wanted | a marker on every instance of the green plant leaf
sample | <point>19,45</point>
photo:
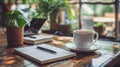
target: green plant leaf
<point>21,21</point>
<point>15,23</point>
<point>18,12</point>
<point>71,14</point>
<point>98,24</point>
<point>16,19</point>
<point>46,7</point>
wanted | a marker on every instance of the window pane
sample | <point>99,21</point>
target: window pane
<point>98,15</point>
<point>97,0</point>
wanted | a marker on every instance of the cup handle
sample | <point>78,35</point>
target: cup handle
<point>97,36</point>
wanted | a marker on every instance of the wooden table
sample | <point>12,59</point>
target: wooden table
<point>105,56</point>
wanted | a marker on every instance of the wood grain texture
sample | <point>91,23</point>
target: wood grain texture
<point>105,56</point>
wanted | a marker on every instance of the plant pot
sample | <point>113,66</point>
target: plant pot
<point>15,36</point>
<point>99,30</point>
<point>65,28</point>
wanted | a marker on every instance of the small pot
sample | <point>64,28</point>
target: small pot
<point>65,28</point>
<point>15,36</point>
<point>99,30</point>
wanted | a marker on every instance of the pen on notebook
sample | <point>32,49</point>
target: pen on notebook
<point>32,37</point>
<point>46,50</point>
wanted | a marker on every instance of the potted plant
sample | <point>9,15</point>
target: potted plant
<point>15,22</point>
<point>51,9</point>
<point>100,28</point>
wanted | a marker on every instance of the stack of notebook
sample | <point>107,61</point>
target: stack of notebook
<point>37,39</point>
<point>31,35</point>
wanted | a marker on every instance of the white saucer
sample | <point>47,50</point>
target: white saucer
<point>73,48</point>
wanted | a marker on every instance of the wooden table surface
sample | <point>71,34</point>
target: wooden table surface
<point>105,56</point>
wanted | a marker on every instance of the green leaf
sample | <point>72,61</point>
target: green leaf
<point>21,21</point>
<point>46,7</point>
<point>16,19</point>
<point>18,12</point>
<point>98,24</point>
<point>71,14</point>
<point>15,23</point>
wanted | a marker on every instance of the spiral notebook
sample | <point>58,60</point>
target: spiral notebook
<point>41,56</point>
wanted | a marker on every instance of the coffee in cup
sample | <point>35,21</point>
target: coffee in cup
<point>84,39</point>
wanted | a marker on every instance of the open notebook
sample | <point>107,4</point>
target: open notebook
<point>41,56</point>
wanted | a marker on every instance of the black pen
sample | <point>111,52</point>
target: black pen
<point>32,37</point>
<point>46,50</point>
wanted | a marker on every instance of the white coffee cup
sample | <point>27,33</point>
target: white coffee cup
<point>84,39</point>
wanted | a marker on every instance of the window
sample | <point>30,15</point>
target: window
<point>100,11</point>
